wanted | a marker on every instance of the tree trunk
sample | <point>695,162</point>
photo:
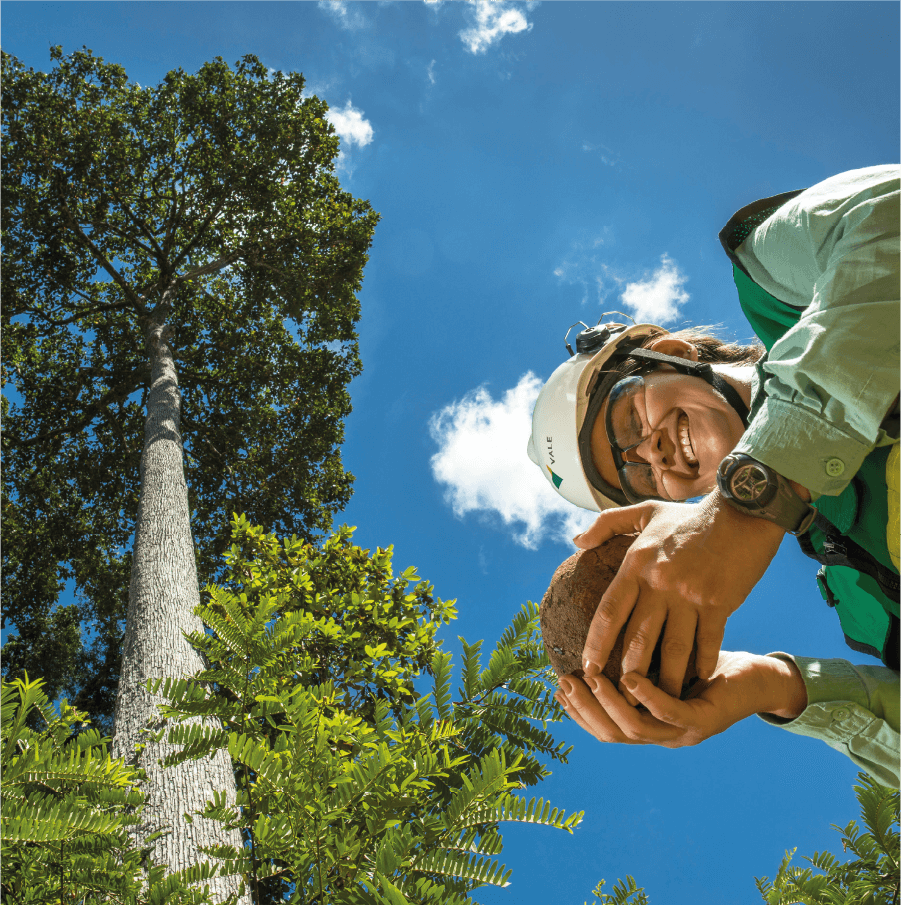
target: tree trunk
<point>162,597</point>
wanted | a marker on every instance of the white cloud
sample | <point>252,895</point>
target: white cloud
<point>492,20</point>
<point>657,299</point>
<point>431,72</point>
<point>349,19</point>
<point>482,462</point>
<point>350,125</point>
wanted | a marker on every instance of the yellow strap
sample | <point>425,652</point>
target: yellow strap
<point>893,482</point>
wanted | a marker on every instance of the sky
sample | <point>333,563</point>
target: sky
<point>535,165</point>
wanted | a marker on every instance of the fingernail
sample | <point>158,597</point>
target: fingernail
<point>566,686</point>
<point>630,682</point>
<point>576,539</point>
<point>592,683</point>
<point>590,668</point>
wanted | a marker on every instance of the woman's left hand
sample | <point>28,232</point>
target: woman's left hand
<point>742,684</point>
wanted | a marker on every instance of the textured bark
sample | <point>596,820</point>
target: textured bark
<point>162,597</point>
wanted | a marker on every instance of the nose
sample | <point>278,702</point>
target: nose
<point>657,450</point>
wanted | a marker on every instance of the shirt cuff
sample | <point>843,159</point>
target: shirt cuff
<point>839,712</point>
<point>779,429</point>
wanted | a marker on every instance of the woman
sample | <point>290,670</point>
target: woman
<point>817,273</point>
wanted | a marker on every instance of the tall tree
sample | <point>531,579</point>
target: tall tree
<point>204,207</point>
<point>208,203</point>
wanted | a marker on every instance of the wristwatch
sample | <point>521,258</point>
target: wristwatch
<point>755,489</point>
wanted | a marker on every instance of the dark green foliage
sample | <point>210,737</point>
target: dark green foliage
<point>207,203</point>
<point>352,787</point>
<point>870,878</point>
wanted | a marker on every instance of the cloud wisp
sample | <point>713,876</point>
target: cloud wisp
<point>492,19</point>
<point>657,299</point>
<point>348,19</point>
<point>483,466</point>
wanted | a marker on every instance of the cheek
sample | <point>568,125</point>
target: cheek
<point>722,431</point>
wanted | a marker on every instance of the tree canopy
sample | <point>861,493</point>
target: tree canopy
<point>208,202</point>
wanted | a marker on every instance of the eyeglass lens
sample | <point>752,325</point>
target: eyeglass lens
<point>627,427</point>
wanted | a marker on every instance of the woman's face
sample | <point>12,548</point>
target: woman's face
<point>690,429</point>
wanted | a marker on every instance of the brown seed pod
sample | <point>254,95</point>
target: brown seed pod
<point>569,604</point>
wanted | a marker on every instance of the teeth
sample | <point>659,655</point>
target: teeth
<point>685,441</point>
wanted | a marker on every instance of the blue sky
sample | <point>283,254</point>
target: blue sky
<point>536,165</point>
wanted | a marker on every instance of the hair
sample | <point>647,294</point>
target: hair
<point>710,348</point>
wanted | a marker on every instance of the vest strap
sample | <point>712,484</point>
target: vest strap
<point>839,550</point>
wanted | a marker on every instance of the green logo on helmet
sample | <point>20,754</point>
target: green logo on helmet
<point>555,477</point>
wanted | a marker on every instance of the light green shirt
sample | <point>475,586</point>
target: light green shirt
<point>854,709</point>
<point>830,380</point>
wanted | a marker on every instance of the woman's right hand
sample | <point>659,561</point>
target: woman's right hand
<point>742,684</point>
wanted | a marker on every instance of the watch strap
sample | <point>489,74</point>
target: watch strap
<point>758,491</point>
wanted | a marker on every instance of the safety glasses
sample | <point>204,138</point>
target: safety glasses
<point>627,428</point>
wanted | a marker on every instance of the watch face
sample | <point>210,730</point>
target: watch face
<point>749,482</point>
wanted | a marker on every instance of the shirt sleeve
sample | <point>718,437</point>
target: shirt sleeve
<point>827,384</point>
<point>854,709</point>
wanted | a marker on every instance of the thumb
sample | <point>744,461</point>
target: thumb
<point>627,520</point>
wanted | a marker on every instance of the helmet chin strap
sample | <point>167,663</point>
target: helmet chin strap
<point>698,369</point>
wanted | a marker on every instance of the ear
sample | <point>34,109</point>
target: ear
<point>678,348</point>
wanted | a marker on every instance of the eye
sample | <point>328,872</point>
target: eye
<point>637,419</point>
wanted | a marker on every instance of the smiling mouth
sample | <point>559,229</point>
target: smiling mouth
<point>685,440</point>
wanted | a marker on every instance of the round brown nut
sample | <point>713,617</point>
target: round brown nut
<point>568,607</point>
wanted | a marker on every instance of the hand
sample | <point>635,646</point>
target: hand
<point>691,567</point>
<point>743,684</point>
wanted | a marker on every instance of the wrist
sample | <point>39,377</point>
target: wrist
<point>724,513</point>
<point>785,694</point>
<point>754,488</point>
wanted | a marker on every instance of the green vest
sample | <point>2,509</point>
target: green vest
<point>857,577</point>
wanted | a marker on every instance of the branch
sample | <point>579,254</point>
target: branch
<point>113,306</point>
<point>212,267</point>
<point>143,227</point>
<point>104,263</point>
<point>114,424</point>
<point>197,236</point>
<point>121,391</point>
<point>108,227</point>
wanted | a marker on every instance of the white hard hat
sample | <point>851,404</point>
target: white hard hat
<point>562,406</point>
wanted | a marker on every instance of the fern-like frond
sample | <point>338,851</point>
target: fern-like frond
<point>463,866</point>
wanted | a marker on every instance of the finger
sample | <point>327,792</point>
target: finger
<point>626,520</point>
<point>663,707</point>
<point>608,619</point>
<point>576,717</point>
<point>588,713</point>
<point>642,632</point>
<point>709,637</point>
<point>675,652</point>
<point>640,728</point>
